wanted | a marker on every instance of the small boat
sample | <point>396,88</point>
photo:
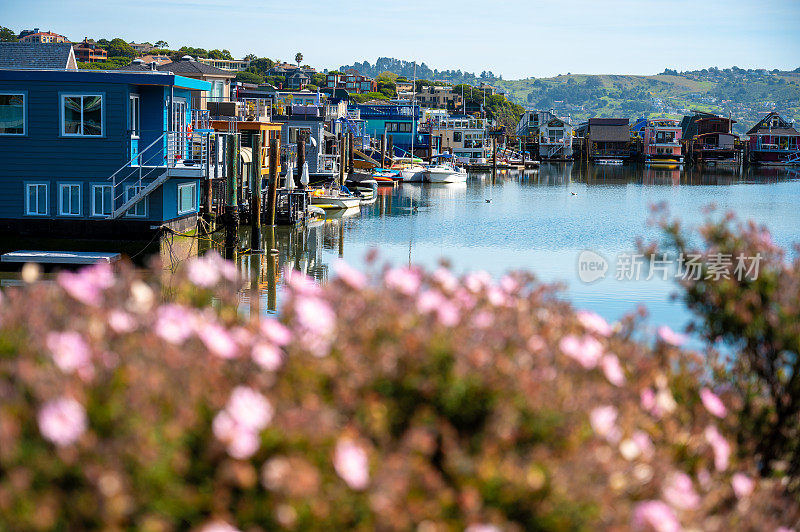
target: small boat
<point>334,199</point>
<point>445,172</point>
<point>413,174</point>
<point>608,162</point>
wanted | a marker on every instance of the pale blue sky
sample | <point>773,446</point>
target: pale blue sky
<point>515,38</point>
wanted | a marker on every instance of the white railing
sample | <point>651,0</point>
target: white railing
<point>327,163</point>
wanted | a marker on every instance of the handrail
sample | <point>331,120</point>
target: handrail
<point>138,155</point>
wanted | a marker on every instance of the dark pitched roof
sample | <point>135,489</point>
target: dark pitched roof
<point>783,126</point>
<point>45,56</point>
<point>187,68</point>
<point>609,121</point>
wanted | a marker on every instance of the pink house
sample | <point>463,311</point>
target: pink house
<point>662,141</point>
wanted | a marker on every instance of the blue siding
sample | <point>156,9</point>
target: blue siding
<point>44,155</point>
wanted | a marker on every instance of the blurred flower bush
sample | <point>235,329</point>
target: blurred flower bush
<point>758,315</point>
<point>397,400</point>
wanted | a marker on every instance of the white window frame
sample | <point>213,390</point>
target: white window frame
<point>135,121</point>
<point>194,198</point>
<point>82,95</point>
<point>61,187</point>
<point>131,212</point>
<point>28,211</point>
<point>24,95</point>
<point>100,213</point>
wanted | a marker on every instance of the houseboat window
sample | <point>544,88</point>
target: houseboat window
<point>133,114</point>
<point>36,199</point>
<point>69,200</point>
<point>82,115</point>
<point>456,136</point>
<point>12,114</point>
<point>187,198</point>
<point>293,132</point>
<point>101,200</point>
<point>217,91</point>
<point>140,209</point>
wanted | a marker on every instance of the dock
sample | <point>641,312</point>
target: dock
<point>59,257</point>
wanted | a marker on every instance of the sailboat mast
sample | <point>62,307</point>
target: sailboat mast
<point>413,112</point>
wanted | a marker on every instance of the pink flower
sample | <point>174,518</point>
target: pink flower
<point>121,321</point>
<point>351,464</point>
<point>217,339</point>
<point>720,447</point>
<point>604,422</point>
<point>249,408</point>
<point>586,351</point>
<point>350,276</point>
<point>219,526</point>
<point>62,421</point>
<point>496,297</point>
<point>535,343</point>
<point>612,369</point>
<point>671,337</point>
<point>648,399</point>
<point>742,485</point>
<point>679,492</point>
<point>87,285</point>
<point>69,351</point>
<point>509,285</point>
<point>275,332</point>
<point>300,283</point>
<point>482,320</point>
<point>226,268</point>
<point>477,281</point>
<point>446,280</point>
<point>429,301</point>
<point>317,322</point>
<point>481,527</point>
<point>713,403</point>
<point>241,442</point>
<point>267,356</point>
<point>174,323</point>
<point>784,529</point>
<point>404,280</point>
<point>643,442</point>
<point>654,516</point>
<point>594,323</point>
<point>203,272</point>
<point>448,314</point>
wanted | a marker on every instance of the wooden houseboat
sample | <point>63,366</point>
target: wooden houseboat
<point>553,135</point>
<point>774,142</point>
<point>709,140</point>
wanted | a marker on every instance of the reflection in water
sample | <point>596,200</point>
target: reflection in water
<point>536,220</point>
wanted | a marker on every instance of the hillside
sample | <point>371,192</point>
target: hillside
<point>744,94</point>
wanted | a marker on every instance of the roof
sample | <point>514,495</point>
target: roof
<point>104,76</point>
<point>784,127</point>
<point>52,56</point>
<point>185,68</point>
<point>609,122</point>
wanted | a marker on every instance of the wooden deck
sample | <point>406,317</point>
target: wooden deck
<point>59,257</point>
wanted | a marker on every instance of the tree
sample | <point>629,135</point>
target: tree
<point>249,77</point>
<point>219,54</point>
<point>318,79</point>
<point>7,35</point>
<point>161,44</point>
<point>250,57</point>
<point>298,58</point>
<point>119,48</point>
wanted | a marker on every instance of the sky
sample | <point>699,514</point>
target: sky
<point>513,38</point>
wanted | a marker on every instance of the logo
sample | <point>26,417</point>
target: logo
<point>591,266</point>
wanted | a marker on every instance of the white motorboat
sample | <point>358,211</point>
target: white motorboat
<point>444,172</point>
<point>413,174</point>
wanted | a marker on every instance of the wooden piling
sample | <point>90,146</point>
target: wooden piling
<point>272,191</point>
<point>255,194</point>
<point>383,150</point>
<point>301,160</point>
<point>390,148</point>
<point>494,158</point>
<point>231,200</point>
<point>342,161</point>
<point>207,188</point>
<point>350,154</point>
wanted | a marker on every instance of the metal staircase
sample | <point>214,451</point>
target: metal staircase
<point>172,154</point>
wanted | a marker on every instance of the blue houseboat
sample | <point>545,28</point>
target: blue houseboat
<point>398,119</point>
<point>98,154</point>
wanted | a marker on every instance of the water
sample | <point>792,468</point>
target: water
<point>538,221</point>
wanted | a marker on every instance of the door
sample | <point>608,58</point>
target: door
<point>179,127</point>
<point>134,127</point>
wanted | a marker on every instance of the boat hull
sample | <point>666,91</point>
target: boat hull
<point>335,202</point>
<point>446,177</point>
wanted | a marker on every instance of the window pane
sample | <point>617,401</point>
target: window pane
<point>92,115</point>
<point>42,198</point>
<point>106,200</point>
<point>12,114</point>
<point>32,198</point>
<point>72,115</point>
<point>75,200</point>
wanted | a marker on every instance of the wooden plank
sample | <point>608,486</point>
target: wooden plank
<point>59,257</point>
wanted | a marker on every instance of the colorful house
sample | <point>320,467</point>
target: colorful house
<point>97,153</point>
<point>774,141</point>
<point>554,134</point>
<point>662,141</point>
<point>398,119</point>
<point>608,138</point>
<point>464,136</point>
<point>709,139</point>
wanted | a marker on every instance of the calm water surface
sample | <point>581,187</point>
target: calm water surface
<point>538,221</point>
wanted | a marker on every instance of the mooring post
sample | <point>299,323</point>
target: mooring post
<point>524,145</point>
<point>232,202</point>
<point>301,159</point>
<point>350,154</point>
<point>390,148</point>
<point>207,189</point>
<point>342,160</point>
<point>272,191</point>
<point>255,194</point>
<point>383,150</point>
<point>494,158</point>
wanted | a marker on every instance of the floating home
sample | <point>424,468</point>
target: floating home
<point>464,136</point>
<point>608,138</point>
<point>662,141</point>
<point>399,120</point>
<point>95,153</point>
<point>774,142</point>
<point>709,140</point>
<point>554,135</point>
